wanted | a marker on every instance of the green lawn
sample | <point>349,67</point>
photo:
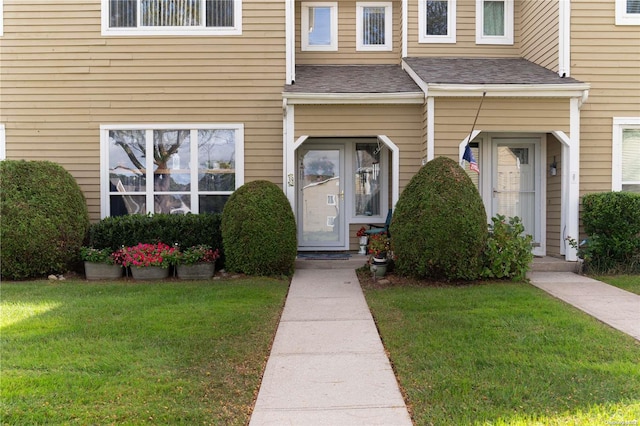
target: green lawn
<point>505,354</point>
<point>131,353</point>
<point>626,282</point>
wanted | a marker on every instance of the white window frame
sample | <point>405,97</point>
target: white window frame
<point>507,38</point>
<point>105,206</point>
<point>3,149</point>
<point>451,24</point>
<point>304,27</point>
<point>172,31</point>
<point>388,27</point>
<point>624,18</point>
<point>619,125</point>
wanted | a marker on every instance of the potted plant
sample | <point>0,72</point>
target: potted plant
<point>362,240</point>
<point>147,261</point>
<point>196,262</point>
<point>379,245</point>
<point>100,264</point>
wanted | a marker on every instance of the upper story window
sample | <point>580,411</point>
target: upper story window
<point>374,26</point>
<point>171,17</point>
<point>627,12</point>
<point>173,169</point>
<point>626,154</point>
<point>494,21</point>
<point>437,21</point>
<point>319,26</point>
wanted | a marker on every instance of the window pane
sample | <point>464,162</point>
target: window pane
<point>127,161</point>
<point>216,160</point>
<point>319,26</point>
<point>170,13</point>
<point>171,154</point>
<point>437,16</point>
<point>631,156</point>
<point>368,182</point>
<point>633,6</point>
<point>127,204</point>
<point>373,26</point>
<point>122,13</point>
<point>494,18</point>
<point>172,204</point>
<point>212,203</point>
<point>219,13</point>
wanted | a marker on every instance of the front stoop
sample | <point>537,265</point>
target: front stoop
<point>553,264</point>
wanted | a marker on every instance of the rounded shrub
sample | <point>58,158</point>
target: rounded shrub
<point>259,230</point>
<point>439,226</point>
<point>44,219</point>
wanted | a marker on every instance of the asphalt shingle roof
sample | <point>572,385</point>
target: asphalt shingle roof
<point>454,70</point>
<point>351,79</point>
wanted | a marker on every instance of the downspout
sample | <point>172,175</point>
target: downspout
<point>564,38</point>
<point>431,131</point>
<point>405,19</point>
<point>290,63</point>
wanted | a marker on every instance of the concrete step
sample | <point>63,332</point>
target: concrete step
<point>553,264</point>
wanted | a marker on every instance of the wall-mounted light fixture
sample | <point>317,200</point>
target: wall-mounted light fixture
<point>553,168</point>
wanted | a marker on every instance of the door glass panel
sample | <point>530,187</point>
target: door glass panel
<point>321,206</point>
<point>367,179</point>
<point>514,190</point>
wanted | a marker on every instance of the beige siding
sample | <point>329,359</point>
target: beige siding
<point>347,53</point>
<point>60,80</point>
<point>554,231</point>
<point>454,118</point>
<point>540,36</point>
<point>465,35</point>
<point>607,57</point>
<point>401,123</point>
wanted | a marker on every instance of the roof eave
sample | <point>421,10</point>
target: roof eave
<point>565,90</point>
<point>293,98</point>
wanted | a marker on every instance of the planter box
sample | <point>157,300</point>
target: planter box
<point>102,271</point>
<point>198,271</point>
<point>149,272</point>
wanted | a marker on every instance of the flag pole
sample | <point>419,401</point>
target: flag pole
<point>476,119</point>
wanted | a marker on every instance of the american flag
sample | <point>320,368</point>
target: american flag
<point>468,155</point>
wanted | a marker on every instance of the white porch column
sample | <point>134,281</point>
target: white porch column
<point>572,207</point>
<point>288,153</point>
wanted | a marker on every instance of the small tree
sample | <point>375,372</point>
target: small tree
<point>439,226</point>
<point>259,230</point>
<point>44,219</point>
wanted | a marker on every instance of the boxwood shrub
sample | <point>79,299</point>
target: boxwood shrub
<point>259,230</point>
<point>439,227</point>
<point>44,219</point>
<point>612,223</point>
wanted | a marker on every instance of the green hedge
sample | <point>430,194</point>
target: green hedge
<point>184,230</point>
<point>612,223</point>
<point>44,219</point>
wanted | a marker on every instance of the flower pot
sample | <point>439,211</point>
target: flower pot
<point>363,245</point>
<point>378,267</point>
<point>102,271</point>
<point>149,272</point>
<point>197,271</point>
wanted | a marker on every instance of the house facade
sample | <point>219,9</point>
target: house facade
<point>170,105</point>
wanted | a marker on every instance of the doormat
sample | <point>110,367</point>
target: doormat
<point>324,256</point>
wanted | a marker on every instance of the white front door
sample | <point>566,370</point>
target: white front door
<point>321,211</point>
<point>517,185</point>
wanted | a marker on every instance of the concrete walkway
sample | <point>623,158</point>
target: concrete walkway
<point>616,307</point>
<point>327,365</point>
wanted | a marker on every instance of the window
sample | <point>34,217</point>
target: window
<point>368,179</point>
<point>151,170</point>
<point>171,17</point>
<point>626,154</point>
<point>437,21</point>
<point>319,26</point>
<point>627,12</point>
<point>494,21</point>
<point>374,26</point>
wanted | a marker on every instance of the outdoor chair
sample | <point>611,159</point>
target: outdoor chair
<point>377,229</point>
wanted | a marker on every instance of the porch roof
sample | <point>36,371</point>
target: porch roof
<point>481,71</point>
<point>339,79</point>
